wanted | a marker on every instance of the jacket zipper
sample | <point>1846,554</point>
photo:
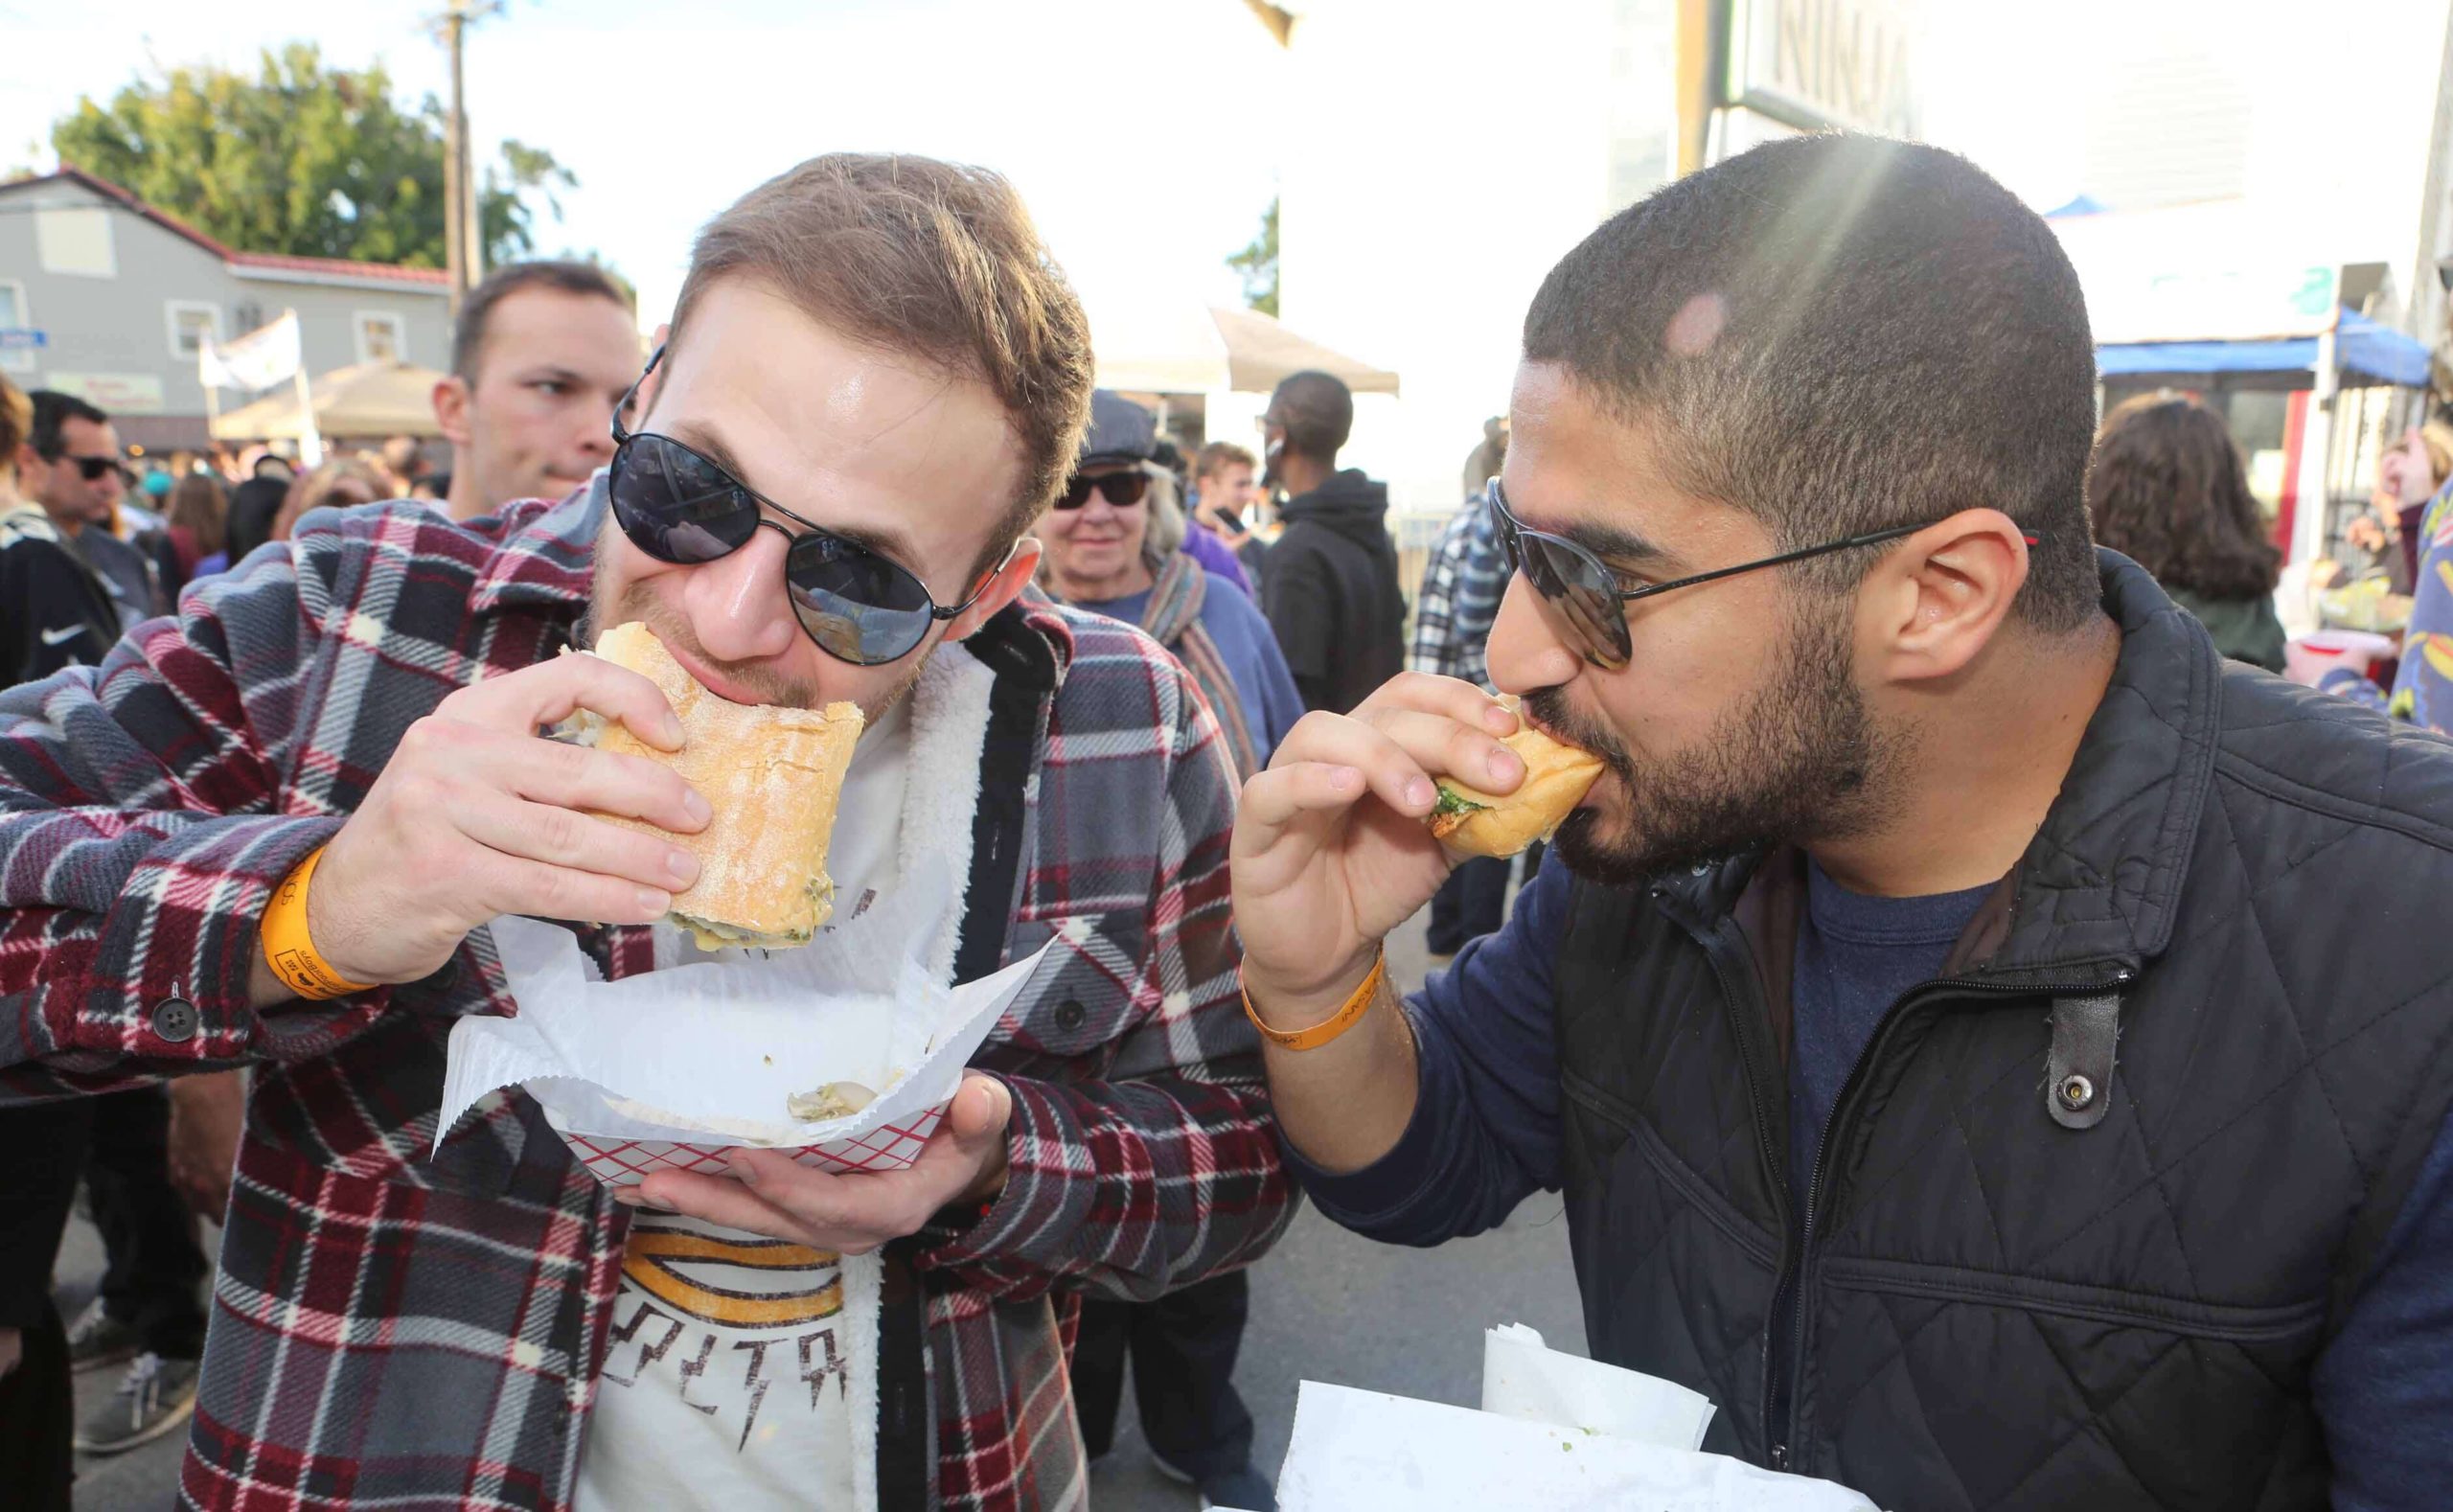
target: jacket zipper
<point>1736,1000</point>
<point>1784,1437</point>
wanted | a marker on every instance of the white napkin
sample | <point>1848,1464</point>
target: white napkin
<point>716,1049</point>
<point>1523,1379</point>
<point>1367,1451</point>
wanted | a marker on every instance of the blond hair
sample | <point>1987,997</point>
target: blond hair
<point>924,259</point>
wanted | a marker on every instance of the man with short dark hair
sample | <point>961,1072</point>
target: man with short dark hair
<point>81,588</point>
<point>1964,1028</point>
<point>55,611</point>
<point>70,465</point>
<point>1331,593</point>
<point>542,353</point>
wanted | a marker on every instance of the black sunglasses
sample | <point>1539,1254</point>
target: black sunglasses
<point>1123,489</point>
<point>92,469</point>
<point>1581,599</point>
<point>679,507</point>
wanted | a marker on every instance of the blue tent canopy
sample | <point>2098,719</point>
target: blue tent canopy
<point>2366,351</point>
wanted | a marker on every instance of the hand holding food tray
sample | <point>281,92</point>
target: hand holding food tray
<point>672,1069</point>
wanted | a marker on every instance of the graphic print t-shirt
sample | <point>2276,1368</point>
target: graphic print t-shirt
<point>730,1365</point>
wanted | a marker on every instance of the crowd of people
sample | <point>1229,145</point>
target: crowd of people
<point>1943,1017</point>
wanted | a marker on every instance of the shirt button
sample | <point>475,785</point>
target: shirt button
<point>174,1020</point>
<point>1069,1013</point>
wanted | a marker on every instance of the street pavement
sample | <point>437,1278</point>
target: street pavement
<point>1326,1306</point>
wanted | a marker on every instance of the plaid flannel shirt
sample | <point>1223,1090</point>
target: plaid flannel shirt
<point>423,1328</point>
<point>1458,602</point>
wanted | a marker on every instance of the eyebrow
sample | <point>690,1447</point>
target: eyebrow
<point>1609,542</point>
<point>879,540</point>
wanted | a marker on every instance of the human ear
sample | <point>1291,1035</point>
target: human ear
<point>1003,588</point>
<point>1941,597</point>
<point>451,409</point>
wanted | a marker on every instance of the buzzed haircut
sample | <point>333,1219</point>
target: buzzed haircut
<point>52,410</point>
<point>1839,335</point>
<point>1317,411</point>
<point>477,310</point>
<point>1218,456</point>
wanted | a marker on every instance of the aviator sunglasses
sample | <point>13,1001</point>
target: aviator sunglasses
<point>679,507</point>
<point>1581,599</point>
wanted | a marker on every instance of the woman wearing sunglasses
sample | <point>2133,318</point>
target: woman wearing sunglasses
<point>1110,546</point>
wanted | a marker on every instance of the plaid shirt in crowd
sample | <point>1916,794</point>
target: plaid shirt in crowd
<point>420,1328</point>
<point>1461,584</point>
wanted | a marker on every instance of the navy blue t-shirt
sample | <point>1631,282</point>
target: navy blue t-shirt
<point>1856,955</point>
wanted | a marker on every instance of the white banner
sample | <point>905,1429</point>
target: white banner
<point>264,356</point>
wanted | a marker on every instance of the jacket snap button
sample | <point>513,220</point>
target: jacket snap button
<point>1069,1013</point>
<point>2076,1092</point>
<point>174,1020</point>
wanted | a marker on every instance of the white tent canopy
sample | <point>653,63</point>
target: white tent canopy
<point>1185,348</point>
<point>372,398</point>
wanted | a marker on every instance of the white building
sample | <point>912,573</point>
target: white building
<point>107,296</point>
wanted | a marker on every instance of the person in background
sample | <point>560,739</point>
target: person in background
<point>194,532</point>
<point>405,465</point>
<point>1203,547</point>
<point>254,505</point>
<point>42,1145</point>
<point>2408,474</point>
<point>1226,486</point>
<point>2166,489</point>
<point>1453,611</point>
<point>1488,456</point>
<point>340,484</point>
<point>1110,547</point>
<point>269,464</point>
<point>70,466</point>
<point>1331,592</point>
<point>541,356</point>
<point>55,610</point>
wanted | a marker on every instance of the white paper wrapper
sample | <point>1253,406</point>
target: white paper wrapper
<point>1366,1452</point>
<point>671,1068</point>
<point>1523,1379</point>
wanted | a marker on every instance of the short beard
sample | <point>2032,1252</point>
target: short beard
<point>1801,760</point>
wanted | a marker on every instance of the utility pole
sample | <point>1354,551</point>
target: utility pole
<point>462,237</point>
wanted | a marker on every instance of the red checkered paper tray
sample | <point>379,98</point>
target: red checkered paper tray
<point>669,1069</point>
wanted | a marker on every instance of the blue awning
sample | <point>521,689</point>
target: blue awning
<point>2366,351</point>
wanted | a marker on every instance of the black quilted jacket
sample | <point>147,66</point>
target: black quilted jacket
<point>2014,1291</point>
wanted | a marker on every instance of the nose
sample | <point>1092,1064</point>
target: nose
<point>737,604</point>
<point>1524,654</point>
<point>595,431</point>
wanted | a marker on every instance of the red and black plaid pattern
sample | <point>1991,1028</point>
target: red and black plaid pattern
<point>422,1327</point>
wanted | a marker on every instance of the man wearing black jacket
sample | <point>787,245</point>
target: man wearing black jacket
<point>1992,1048</point>
<point>1331,592</point>
<point>53,611</point>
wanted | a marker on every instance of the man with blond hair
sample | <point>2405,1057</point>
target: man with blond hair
<point>875,381</point>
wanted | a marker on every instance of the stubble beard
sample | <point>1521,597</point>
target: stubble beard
<point>1801,760</point>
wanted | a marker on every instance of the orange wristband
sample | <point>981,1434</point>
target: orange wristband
<point>287,947</point>
<point>1335,1025</point>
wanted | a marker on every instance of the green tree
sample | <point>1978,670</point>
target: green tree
<point>1257,263</point>
<point>302,159</point>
